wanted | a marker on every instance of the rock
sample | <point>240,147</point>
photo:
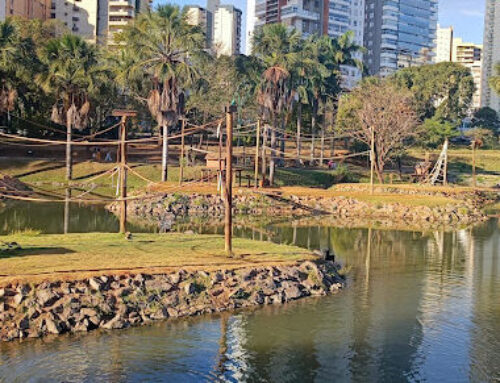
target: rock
<point>159,314</point>
<point>116,323</point>
<point>292,292</point>
<point>53,327</point>
<point>23,323</point>
<point>18,298</point>
<point>95,284</point>
<point>88,312</point>
<point>190,288</point>
<point>46,297</point>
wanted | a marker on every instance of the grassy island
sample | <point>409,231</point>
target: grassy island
<point>74,256</point>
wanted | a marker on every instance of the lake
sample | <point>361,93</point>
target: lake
<point>418,306</point>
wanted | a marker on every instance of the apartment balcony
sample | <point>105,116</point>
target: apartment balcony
<point>295,12</point>
<point>121,12</point>
<point>121,4</point>
<point>118,23</point>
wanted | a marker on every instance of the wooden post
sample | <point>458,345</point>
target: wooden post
<point>264,166</point>
<point>474,183</point>
<point>372,159</point>
<point>445,171</point>
<point>257,144</point>
<point>124,114</point>
<point>164,154</point>
<point>69,154</point>
<point>181,172</point>
<point>228,197</point>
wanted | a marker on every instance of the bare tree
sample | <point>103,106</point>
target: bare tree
<point>384,107</point>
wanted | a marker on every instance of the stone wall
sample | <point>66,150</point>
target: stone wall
<point>121,301</point>
<point>166,209</point>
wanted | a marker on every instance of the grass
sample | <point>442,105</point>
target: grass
<point>460,165</point>
<point>50,175</point>
<point>74,256</point>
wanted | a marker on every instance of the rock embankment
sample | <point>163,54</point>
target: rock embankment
<point>121,301</point>
<point>166,209</point>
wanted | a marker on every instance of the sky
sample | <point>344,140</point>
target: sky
<point>466,16</point>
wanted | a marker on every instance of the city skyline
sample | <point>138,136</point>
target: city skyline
<point>467,22</point>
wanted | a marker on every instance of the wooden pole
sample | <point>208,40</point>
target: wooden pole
<point>257,144</point>
<point>474,183</point>
<point>264,154</point>
<point>124,114</point>
<point>181,173</point>
<point>445,171</point>
<point>164,154</point>
<point>123,176</point>
<point>372,159</point>
<point>69,156</point>
<point>228,197</point>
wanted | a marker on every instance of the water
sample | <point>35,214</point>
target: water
<point>418,307</point>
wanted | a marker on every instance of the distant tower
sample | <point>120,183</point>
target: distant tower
<point>250,26</point>
<point>491,53</point>
<point>227,30</point>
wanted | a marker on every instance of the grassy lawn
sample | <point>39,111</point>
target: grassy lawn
<point>460,165</point>
<point>69,256</point>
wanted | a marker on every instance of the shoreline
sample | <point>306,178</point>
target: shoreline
<point>127,300</point>
<point>164,210</point>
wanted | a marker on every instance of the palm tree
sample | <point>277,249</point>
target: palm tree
<point>71,73</point>
<point>494,82</point>
<point>324,58</point>
<point>13,64</point>
<point>160,47</point>
<point>278,49</point>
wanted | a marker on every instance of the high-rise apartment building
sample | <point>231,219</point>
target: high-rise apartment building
<point>3,7</point>
<point>30,9</point>
<point>470,56</point>
<point>227,30</point>
<point>97,20</point>
<point>344,16</point>
<point>444,44</point>
<point>491,53</point>
<point>399,34</point>
<point>204,19</point>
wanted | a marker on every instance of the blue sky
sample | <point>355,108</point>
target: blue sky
<point>466,16</point>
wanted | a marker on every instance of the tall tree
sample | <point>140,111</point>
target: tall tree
<point>442,91</point>
<point>278,49</point>
<point>70,76</point>
<point>382,109</point>
<point>495,80</point>
<point>160,49</point>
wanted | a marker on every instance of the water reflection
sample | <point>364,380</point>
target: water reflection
<point>419,307</point>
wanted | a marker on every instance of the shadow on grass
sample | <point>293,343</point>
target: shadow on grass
<point>5,254</point>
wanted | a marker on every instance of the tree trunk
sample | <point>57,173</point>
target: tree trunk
<point>322,153</point>
<point>272,163</point>
<point>299,129</point>
<point>264,166</point>
<point>164,156</point>
<point>283,142</point>
<point>379,169</point>
<point>313,135</point>
<point>69,159</point>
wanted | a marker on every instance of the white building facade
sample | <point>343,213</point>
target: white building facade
<point>444,44</point>
<point>491,54</point>
<point>97,20</point>
<point>227,30</point>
